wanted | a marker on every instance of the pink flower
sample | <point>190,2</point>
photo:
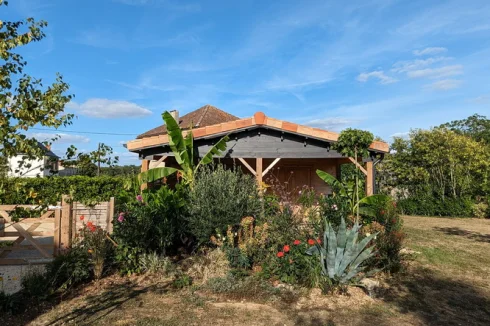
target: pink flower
<point>139,198</point>
<point>121,218</point>
<point>334,207</point>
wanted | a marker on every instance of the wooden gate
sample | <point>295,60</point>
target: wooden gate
<point>60,222</point>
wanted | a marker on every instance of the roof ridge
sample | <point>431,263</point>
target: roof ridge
<point>206,107</point>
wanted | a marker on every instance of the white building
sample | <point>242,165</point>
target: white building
<point>34,168</point>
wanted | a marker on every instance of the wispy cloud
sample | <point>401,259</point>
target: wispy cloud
<point>172,5</point>
<point>104,108</point>
<point>442,72</point>
<point>483,99</point>
<point>444,85</point>
<point>403,135</point>
<point>333,124</point>
<point>62,138</point>
<point>379,74</point>
<point>430,51</point>
<point>408,65</point>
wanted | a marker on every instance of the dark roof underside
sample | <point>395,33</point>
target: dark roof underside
<point>207,115</point>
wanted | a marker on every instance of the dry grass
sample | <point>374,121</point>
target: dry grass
<point>445,283</point>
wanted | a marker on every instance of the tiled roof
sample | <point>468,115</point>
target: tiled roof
<point>207,115</point>
<point>259,119</point>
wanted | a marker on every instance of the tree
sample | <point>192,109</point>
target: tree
<point>354,143</point>
<point>183,150</point>
<point>24,101</point>
<point>475,126</point>
<point>89,163</point>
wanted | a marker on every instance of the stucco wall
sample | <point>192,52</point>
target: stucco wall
<point>35,170</point>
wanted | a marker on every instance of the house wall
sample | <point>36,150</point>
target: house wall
<point>37,168</point>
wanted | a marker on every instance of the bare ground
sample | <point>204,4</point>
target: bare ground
<point>445,282</point>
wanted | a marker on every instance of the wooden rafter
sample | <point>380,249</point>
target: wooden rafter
<point>247,166</point>
<point>358,165</point>
<point>271,166</point>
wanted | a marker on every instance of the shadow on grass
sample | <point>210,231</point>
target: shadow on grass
<point>100,305</point>
<point>480,237</point>
<point>438,300</point>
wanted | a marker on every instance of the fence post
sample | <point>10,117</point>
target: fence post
<point>57,230</point>
<point>110,215</point>
<point>2,227</point>
<point>65,223</point>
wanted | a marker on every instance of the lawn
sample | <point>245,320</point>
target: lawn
<point>444,282</point>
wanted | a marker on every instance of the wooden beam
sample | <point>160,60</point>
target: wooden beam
<point>57,231</point>
<point>65,223</point>
<point>145,164</point>
<point>258,168</point>
<point>2,227</point>
<point>369,178</point>
<point>271,166</point>
<point>33,241</point>
<point>160,160</point>
<point>247,166</point>
<point>358,165</point>
<point>110,215</point>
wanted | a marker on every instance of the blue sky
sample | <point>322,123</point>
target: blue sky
<point>382,65</point>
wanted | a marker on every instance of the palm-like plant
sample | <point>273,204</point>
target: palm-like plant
<point>348,193</point>
<point>183,150</point>
<point>341,255</point>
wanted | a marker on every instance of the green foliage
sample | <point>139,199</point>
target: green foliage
<point>341,255</point>
<point>220,198</point>
<point>35,284</point>
<point>475,126</point>
<point>10,303</point>
<point>182,281</point>
<point>69,269</point>
<point>152,222</point>
<point>154,263</point>
<point>48,190</point>
<point>480,210</point>
<point>96,241</point>
<point>354,143</point>
<point>88,164</point>
<point>24,101</point>
<point>183,150</point>
<point>120,170</point>
<point>427,205</point>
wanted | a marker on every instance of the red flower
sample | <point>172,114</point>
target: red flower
<point>82,218</point>
<point>319,241</point>
<point>90,224</point>
<point>311,242</point>
<point>280,254</point>
<point>382,212</point>
<point>286,248</point>
<point>296,242</point>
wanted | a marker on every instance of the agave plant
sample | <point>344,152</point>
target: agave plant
<point>348,193</point>
<point>183,151</point>
<point>341,255</point>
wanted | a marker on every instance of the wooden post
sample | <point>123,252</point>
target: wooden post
<point>369,178</point>
<point>2,227</point>
<point>110,215</point>
<point>258,170</point>
<point>65,223</point>
<point>57,231</point>
<point>145,165</point>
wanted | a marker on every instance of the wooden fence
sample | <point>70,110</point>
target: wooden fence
<point>61,222</point>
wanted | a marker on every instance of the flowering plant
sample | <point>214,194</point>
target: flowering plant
<point>96,241</point>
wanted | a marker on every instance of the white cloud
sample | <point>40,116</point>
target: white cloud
<point>429,51</point>
<point>63,138</point>
<point>444,85</point>
<point>484,99</point>
<point>334,124</point>
<point>442,72</point>
<point>403,135</point>
<point>405,66</point>
<point>104,108</point>
<point>383,79</point>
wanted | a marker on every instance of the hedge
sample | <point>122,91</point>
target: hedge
<point>427,206</point>
<point>48,190</point>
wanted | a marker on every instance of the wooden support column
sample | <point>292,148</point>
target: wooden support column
<point>369,178</point>
<point>258,170</point>
<point>2,227</point>
<point>65,223</point>
<point>145,165</point>
<point>57,231</point>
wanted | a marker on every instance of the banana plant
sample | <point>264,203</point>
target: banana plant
<point>341,255</point>
<point>183,150</point>
<point>348,193</point>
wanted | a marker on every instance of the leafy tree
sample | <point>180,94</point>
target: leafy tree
<point>24,101</point>
<point>475,126</point>
<point>354,143</point>
<point>183,150</point>
<point>88,164</point>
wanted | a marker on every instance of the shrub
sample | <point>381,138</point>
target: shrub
<point>430,206</point>
<point>154,263</point>
<point>96,241</point>
<point>36,284</point>
<point>182,281</point>
<point>210,265</point>
<point>220,198</point>
<point>68,270</point>
<point>10,303</point>
<point>152,222</point>
<point>480,210</point>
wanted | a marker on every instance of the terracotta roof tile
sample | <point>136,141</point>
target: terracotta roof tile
<point>207,115</point>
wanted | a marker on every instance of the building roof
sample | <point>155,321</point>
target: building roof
<point>47,151</point>
<point>207,115</point>
<point>258,120</point>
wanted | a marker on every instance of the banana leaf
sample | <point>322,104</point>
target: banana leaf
<point>332,181</point>
<point>155,174</point>
<point>177,143</point>
<point>217,149</point>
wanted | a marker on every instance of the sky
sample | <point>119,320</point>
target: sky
<point>386,66</point>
